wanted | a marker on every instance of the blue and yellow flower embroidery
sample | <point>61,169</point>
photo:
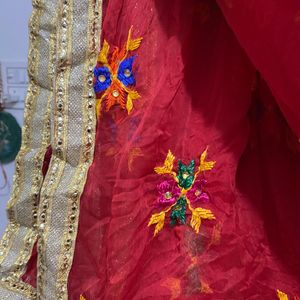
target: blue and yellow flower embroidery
<point>181,193</point>
<point>113,77</point>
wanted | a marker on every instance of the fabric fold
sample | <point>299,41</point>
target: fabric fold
<point>269,33</point>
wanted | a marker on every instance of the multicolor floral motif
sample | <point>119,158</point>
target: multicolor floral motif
<point>181,193</point>
<point>113,77</point>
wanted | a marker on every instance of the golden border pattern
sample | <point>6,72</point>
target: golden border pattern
<point>64,183</point>
<point>58,161</point>
<point>86,155</point>
<point>13,287</point>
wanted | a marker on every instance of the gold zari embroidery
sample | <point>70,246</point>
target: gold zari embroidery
<point>73,144</point>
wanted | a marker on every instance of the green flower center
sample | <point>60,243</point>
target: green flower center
<point>185,175</point>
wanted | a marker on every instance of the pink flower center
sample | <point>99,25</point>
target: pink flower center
<point>197,193</point>
<point>168,195</point>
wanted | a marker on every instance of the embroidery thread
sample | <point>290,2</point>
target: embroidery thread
<point>113,76</point>
<point>282,296</point>
<point>181,193</point>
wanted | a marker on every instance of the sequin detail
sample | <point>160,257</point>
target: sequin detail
<point>113,76</point>
<point>184,192</point>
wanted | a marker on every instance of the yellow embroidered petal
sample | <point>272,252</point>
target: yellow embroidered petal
<point>159,220</point>
<point>195,222</point>
<point>81,297</point>
<point>198,214</point>
<point>168,165</point>
<point>133,44</point>
<point>129,104</point>
<point>98,105</point>
<point>132,95</point>
<point>205,165</point>
<point>102,57</point>
<point>282,296</point>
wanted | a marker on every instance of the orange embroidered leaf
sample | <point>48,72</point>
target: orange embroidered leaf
<point>113,61</point>
<point>132,95</point>
<point>133,44</point>
<point>121,54</point>
<point>167,168</point>
<point>121,99</point>
<point>282,296</point>
<point>198,214</point>
<point>102,57</point>
<point>159,220</point>
<point>116,57</point>
<point>205,165</point>
<point>115,95</point>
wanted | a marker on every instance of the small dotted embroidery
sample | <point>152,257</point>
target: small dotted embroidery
<point>113,76</point>
<point>184,191</point>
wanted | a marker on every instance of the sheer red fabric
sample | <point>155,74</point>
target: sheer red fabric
<point>199,82</point>
<point>269,32</point>
<point>197,86</point>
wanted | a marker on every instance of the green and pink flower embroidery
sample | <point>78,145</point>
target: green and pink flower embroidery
<point>184,191</point>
